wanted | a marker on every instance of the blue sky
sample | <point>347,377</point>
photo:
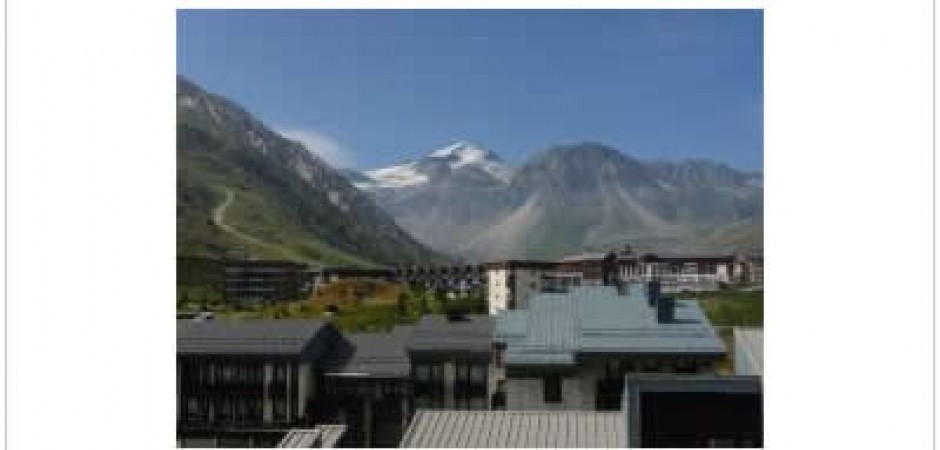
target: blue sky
<point>372,88</point>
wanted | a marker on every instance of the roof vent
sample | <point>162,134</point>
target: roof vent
<point>653,292</point>
<point>666,310</point>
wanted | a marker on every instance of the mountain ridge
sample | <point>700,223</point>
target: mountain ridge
<point>566,198</point>
<point>283,194</point>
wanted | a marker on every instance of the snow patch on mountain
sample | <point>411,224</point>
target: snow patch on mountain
<point>394,177</point>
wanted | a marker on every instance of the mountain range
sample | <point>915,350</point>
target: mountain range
<point>465,201</point>
<point>242,188</point>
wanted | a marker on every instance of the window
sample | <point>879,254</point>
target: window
<point>552,388</point>
<point>280,408</point>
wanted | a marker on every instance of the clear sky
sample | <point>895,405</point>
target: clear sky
<point>372,88</point>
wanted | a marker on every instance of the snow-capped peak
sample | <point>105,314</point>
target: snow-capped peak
<point>456,156</point>
<point>463,152</point>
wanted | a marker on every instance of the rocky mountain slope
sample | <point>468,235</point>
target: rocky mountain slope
<point>463,200</point>
<point>242,186</point>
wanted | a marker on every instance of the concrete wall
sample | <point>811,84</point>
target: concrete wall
<point>578,392</point>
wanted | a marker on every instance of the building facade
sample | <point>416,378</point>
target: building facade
<point>571,350</point>
<point>451,362</point>
<point>257,281</point>
<point>245,383</point>
<point>455,281</point>
<point>510,284</point>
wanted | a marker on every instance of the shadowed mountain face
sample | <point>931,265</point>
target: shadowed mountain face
<point>568,198</point>
<point>241,185</point>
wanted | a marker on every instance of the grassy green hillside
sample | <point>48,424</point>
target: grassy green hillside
<point>242,188</point>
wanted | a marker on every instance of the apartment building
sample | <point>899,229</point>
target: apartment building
<point>365,385</point>
<point>658,410</point>
<point>451,362</point>
<point>510,284</point>
<point>265,281</point>
<point>243,383</point>
<point>570,351</point>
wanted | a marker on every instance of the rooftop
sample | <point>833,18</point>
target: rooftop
<point>438,333</point>
<point>596,319</point>
<point>374,355</point>
<point>248,336</point>
<point>524,429</point>
<point>321,436</point>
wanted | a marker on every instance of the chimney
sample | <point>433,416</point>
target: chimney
<point>666,310</point>
<point>653,292</point>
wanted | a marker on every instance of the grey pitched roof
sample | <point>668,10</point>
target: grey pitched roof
<point>504,429</point>
<point>249,336</point>
<point>321,436</point>
<point>376,355</point>
<point>438,334</point>
<point>596,319</point>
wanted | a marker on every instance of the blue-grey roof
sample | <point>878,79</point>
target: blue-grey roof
<point>596,319</point>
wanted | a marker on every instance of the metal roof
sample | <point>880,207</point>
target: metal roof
<point>596,319</point>
<point>504,429</point>
<point>321,436</point>
<point>247,336</point>
<point>472,333</point>
<point>376,355</point>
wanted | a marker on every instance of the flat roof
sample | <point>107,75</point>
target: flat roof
<point>246,336</point>
<point>597,319</point>
<point>505,429</point>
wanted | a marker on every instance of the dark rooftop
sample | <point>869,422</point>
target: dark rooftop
<point>374,355</point>
<point>248,336</point>
<point>469,333</point>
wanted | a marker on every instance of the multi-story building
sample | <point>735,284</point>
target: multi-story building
<point>658,410</point>
<point>682,272</point>
<point>247,281</point>
<point>246,382</point>
<point>365,385</point>
<point>451,362</point>
<point>456,281</point>
<point>598,269</point>
<point>510,284</point>
<point>571,350</point>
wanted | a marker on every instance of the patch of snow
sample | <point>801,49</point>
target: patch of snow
<point>464,154</point>
<point>498,170</point>
<point>337,200</point>
<point>397,176</point>
<point>189,102</point>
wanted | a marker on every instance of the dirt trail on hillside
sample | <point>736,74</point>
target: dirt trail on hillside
<point>218,216</point>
